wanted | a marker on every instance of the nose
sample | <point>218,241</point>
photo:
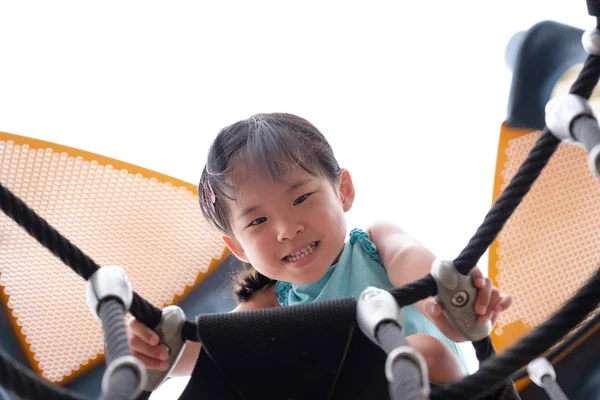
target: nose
<point>288,230</point>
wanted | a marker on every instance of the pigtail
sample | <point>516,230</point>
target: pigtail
<point>248,281</point>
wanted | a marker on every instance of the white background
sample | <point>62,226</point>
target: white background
<point>410,94</point>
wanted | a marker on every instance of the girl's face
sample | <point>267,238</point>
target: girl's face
<point>291,230</point>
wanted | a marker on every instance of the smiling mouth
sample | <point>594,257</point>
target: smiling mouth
<point>301,253</point>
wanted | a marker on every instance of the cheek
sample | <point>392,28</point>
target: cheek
<point>258,249</point>
<point>330,217</point>
<point>262,257</point>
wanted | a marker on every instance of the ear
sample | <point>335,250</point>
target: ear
<point>346,189</point>
<point>235,247</point>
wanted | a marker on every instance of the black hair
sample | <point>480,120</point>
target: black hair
<point>248,281</point>
<point>274,142</point>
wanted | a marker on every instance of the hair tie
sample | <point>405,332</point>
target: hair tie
<point>209,194</point>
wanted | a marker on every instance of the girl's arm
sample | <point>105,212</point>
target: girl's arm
<point>406,260</point>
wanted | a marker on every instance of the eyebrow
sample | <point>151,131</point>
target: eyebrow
<point>247,211</point>
<point>298,184</point>
<point>293,187</point>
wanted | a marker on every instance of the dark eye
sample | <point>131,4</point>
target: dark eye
<point>301,199</point>
<point>258,221</point>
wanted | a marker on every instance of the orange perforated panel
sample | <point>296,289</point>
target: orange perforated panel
<point>551,244</point>
<point>118,214</point>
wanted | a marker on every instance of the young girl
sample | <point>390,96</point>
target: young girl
<point>276,192</point>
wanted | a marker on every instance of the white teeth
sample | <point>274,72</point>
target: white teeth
<point>302,253</point>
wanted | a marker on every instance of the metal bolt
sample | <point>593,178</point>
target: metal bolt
<point>459,298</point>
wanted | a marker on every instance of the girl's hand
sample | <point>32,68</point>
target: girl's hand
<point>144,344</point>
<point>488,306</point>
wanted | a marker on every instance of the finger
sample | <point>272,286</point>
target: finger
<point>494,302</point>
<point>494,318</point>
<point>504,303</point>
<point>434,308</point>
<point>477,277</point>
<point>138,345</point>
<point>496,307</point>
<point>483,319</point>
<point>483,298</point>
<point>143,332</point>
<point>128,318</point>
<point>151,363</point>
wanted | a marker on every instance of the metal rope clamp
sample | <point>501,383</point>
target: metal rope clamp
<point>561,112</point>
<point>108,282</point>
<point>540,368</point>
<point>458,295</point>
<point>169,330</point>
<point>376,306</point>
<point>125,361</point>
<point>415,357</point>
<point>591,41</point>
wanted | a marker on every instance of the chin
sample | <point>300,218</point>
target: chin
<point>312,276</point>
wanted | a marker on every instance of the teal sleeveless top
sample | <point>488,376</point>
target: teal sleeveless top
<point>359,266</point>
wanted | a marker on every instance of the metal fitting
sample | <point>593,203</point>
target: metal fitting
<point>594,160</point>
<point>538,369</point>
<point>169,330</point>
<point>591,42</point>
<point>108,282</point>
<point>562,111</point>
<point>458,295</point>
<point>415,357</point>
<point>125,361</point>
<point>374,307</point>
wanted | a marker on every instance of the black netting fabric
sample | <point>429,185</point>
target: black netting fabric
<point>312,351</point>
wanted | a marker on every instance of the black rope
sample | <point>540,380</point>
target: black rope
<point>588,78</point>
<point>508,201</point>
<point>415,291</point>
<point>26,385</point>
<point>527,174</point>
<point>67,252</point>
<point>484,349</point>
<point>190,331</point>
<point>494,371</point>
<point>593,7</point>
<point>558,350</point>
